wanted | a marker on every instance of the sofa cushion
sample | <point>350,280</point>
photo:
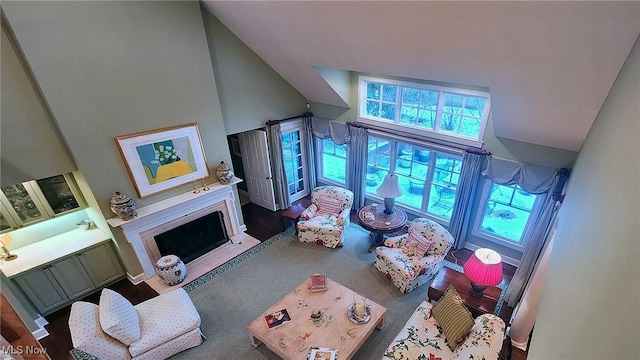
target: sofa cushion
<point>454,318</point>
<point>87,334</point>
<point>327,205</point>
<point>417,244</point>
<point>118,317</point>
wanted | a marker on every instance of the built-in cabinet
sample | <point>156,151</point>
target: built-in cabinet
<point>56,284</point>
<point>38,200</point>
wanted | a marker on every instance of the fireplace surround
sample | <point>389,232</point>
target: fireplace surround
<point>170,213</point>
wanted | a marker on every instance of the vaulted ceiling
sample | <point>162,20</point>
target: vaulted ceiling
<point>548,65</point>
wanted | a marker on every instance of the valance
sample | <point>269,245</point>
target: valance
<point>337,131</point>
<point>531,178</point>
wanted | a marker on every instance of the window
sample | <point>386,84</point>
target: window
<point>447,113</point>
<point>294,159</point>
<point>332,164</point>
<point>428,177</point>
<point>506,213</point>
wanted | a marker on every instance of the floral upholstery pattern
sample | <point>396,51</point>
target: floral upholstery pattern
<point>423,338</point>
<point>407,271</point>
<point>329,230</point>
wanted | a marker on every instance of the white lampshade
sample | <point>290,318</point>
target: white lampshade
<point>390,187</point>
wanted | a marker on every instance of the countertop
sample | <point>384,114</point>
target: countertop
<point>51,249</point>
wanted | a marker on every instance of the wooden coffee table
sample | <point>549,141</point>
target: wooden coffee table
<point>477,306</point>
<point>382,223</point>
<point>334,330</point>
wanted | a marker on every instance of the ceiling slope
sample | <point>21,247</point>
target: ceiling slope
<point>549,65</point>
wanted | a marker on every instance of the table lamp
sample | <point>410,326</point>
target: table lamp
<point>389,190</point>
<point>5,240</point>
<point>484,268</point>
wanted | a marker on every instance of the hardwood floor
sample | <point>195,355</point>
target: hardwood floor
<point>261,224</point>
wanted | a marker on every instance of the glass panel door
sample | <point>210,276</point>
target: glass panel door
<point>294,164</point>
<point>25,205</point>
<point>58,194</point>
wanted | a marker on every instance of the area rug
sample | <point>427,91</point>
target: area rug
<point>233,295</point>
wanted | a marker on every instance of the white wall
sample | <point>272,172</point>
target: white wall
<point>591,300</point>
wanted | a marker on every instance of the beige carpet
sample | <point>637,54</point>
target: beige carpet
<point>232,296</point>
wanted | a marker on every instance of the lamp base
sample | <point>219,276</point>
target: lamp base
<point>476,290</point>
<point>9,257</point>
<point>388,205</point>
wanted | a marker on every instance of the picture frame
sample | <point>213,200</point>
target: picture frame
<point>163,159</point>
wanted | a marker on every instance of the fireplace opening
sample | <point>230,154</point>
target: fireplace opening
<point>195,238</point>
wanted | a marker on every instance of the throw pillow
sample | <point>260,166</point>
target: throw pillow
<point>328,206</point>
<point>118,318</point>
<point>453,317</point>
<point>422,244</point>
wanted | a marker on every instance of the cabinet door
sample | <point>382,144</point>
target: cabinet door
<point>42,289</point>
<point>22,204</point>
<point>6,221</point>
<point>59,194</point>
<point>102,264</point>
<point>72,277</point>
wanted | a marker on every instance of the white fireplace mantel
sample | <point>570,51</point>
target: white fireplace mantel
<point>164,211</point>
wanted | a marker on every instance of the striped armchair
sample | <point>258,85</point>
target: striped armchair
<point>326,220</point>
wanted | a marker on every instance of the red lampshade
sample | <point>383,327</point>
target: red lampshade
<point>484,267</point>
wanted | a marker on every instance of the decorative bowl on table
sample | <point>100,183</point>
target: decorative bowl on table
<point>316,314</point>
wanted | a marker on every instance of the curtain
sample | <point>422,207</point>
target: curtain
<point>280,186</point>
<point>540,237</point>
<point>311,151</point>
<point>465,196</point>
<point>531,178</point>
<point>339,132</point>
<point>357,163</point>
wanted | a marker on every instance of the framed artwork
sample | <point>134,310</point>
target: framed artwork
<point>162,159</point>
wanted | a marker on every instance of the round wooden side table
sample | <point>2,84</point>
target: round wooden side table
<point>381,223</point>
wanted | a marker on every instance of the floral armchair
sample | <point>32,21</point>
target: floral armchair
<point>326,220</point>
<point>399,261</point>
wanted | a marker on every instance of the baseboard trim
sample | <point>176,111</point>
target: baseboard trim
<point>135,280</point>
<point>41,332</point>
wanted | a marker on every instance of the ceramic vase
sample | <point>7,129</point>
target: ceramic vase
<point>123,206</point>
<point>224,173</point>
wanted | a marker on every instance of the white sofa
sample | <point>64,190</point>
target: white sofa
<point>423,338</point>
<point>152,330</point>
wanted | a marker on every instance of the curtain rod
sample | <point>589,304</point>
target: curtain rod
<point>273,122</point>
<point>396,133</point>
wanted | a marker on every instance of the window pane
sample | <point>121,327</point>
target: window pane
<point>389,93</point>
<point>388,111</point>
<point>429,99</point>
<point>410,96</point>
<point>411,192</point>
<point>408,115</point>
<point>507,212</point>
<point>453,103</point>
<point>441,200</point>
<point>474,106</point>
<point>373,108</point>
<point>470,127</point>
<point>373,91</point>
<point>426,118</point>
<point>449,123</point>
<point>333,161</point>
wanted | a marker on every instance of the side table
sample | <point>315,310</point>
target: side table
<point>381,223</point>
<point>293,213</point>
<point>477,306</point>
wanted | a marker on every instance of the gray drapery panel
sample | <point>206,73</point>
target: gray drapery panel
<point>281,188</point>
<point>538,241</point>
<point>357,163</point>
<point>531,178</point>
<point>311,151</point>
<point>465,196</point>
<point>339,132</point>
<point>530,257</point>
